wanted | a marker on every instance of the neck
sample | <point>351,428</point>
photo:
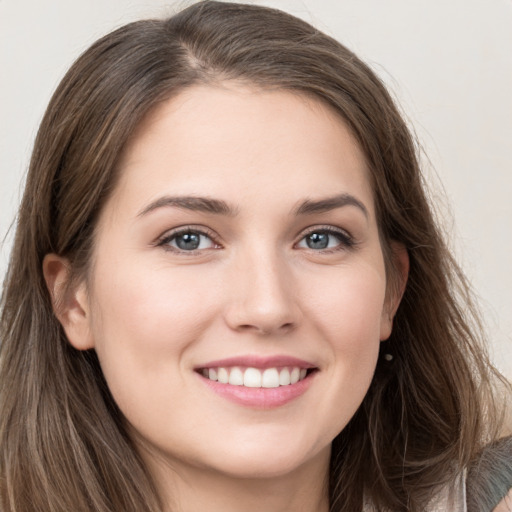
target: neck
<point>189,489</point>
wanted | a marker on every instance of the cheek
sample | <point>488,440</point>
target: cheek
<point>349,307</point>
<point>150,307</point>
<point>144,320</point>
<point>357,323</point>
<point>348,316</point>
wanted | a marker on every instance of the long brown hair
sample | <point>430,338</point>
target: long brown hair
<point>63,442</point>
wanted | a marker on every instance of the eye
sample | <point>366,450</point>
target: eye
<point>326,239</point>
<point>188,240</point>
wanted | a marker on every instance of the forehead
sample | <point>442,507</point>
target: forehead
<point>232,137</point>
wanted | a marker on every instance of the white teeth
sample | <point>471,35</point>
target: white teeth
<point>236,377</point>
<point>256,378</point>
<point>252,378</point>
<point>284,377</point>
<point>223,376</point>
<point>270,378</point>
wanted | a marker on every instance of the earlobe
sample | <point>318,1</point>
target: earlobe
<point>396,289</point>
<point>70,303</point>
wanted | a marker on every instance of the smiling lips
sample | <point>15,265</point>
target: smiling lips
<point>261,383</point>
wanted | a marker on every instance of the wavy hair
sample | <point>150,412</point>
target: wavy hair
<point>63,441</point>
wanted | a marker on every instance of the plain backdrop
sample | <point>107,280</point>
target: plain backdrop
<point>449,63</point>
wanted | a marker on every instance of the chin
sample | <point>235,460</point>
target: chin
<point>261,463</point>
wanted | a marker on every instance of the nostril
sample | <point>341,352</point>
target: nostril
<point>286,327</point>
<point>262,314</point>
<point>266,329</point>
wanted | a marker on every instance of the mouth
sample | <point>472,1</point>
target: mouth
<point>260,383</point>
<point>249,377</point>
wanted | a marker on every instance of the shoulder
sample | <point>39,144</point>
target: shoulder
<point>505,505</point>
<point>486,485</point>
<point>489,480</point>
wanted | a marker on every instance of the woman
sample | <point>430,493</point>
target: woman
<point>227,290</point>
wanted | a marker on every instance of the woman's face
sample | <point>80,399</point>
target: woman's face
<point>238,253</point>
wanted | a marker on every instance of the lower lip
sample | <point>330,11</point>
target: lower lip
<point>260,398</point>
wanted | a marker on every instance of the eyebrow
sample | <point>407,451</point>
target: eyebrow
<point>220,207</point>
<point>198,204</point>
<point>310,206</point>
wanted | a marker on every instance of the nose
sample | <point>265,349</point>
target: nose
<point>263,299</point>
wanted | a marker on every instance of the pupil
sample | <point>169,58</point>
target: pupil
<point>318,240</point>
<point>188,241</point>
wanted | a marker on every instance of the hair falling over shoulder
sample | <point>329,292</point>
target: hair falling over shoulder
<point>63,442</point>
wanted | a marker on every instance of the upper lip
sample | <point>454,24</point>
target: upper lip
<point>253,361</point>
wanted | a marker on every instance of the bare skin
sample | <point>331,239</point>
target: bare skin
<point>220,493</point>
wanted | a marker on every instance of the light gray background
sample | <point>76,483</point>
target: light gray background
<point>448,62</point>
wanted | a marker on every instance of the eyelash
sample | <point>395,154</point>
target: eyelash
<point>346,241</point>
<point>168,237</point>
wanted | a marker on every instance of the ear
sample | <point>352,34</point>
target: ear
<point>70,303</point>
<point>396,288</point>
